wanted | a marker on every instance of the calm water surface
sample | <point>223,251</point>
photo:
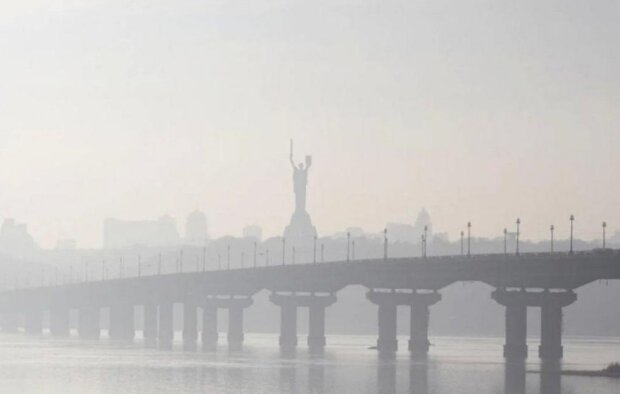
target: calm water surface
<point>455,365</point>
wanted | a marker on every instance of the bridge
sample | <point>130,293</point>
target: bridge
<point>540,280</point>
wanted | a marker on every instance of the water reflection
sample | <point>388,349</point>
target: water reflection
<point>550,377</point>
<point>514,377</point>
<point>418,376</point>
<point>386,374</point>
<point>316,375</point>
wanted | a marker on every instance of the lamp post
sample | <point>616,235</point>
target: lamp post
<point>353,250</point>
<point>322,253</point>
<point>468,239</point>
<point>551,229</point>
<point>385,244</point>
<point>422,246</point>
<point>228,256</point>
<point>314,250</point>
<point>462,242</point>
<point>572,220</point>
<point>518,233</point>
<point>505,241</point>
<point>425,239</point>
<point>348,245</point>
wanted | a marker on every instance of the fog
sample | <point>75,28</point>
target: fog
<point>322,196</point>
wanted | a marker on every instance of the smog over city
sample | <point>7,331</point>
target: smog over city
<point>348,196</point>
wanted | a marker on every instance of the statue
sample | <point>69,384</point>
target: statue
<point>300,230</point>
<point>300,181</point>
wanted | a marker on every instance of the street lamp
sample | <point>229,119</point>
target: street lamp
<point>518,233</point>
<point>314,250</point>
<point>322,253</point>
<point>468,239</point>
<point>422,246</point>
<point>385,244</point>
<point>348,244</point>
<point>505,241</point>
<point>462,239</point>
<point>425,238</point>
<point>551,229</point>
<point>604,227</point>
<point>572,220</point>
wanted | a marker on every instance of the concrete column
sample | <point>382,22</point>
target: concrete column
<point>209,325</point>
<point>516,303</point>
<point>316,327</point>
<point>316,320</point>
<point>9,322</point>
<point>235,325</point>
<point>288,325</point>
<point>59,321</point>
<point>551,332</point>
<point>149,329</point>
<point>166,328</point>
<point>89,323</point>
<point>420,318</point>
<point>387,320</point>
<point>418,328</point>
<point>190,325</point>
<point>122,322</point>
<point>33,323</point>
<point>516,331</point>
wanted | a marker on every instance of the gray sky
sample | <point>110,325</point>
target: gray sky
<point>477,110</point>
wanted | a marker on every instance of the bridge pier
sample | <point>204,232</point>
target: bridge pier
<point>316,305</point>
<point>122,322</point>
<point>59,321</point>
<point>551,304</point>
<point>388,302</point>
<point>190,325</point>
<point>516,302</point>
<point>551,324</point>
<point>166,328</point>
<point>89,323</point>
<point>33,321</point>
<point>235,306</point>
<point>420,316</point>
<point>10,322</point>
<point>149,328</point>
<point>209,326</point>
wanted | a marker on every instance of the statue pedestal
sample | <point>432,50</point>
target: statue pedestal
<point>300,230</point>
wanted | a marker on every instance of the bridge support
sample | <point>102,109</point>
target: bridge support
<point>190,325</point>
<point>59,321</point>
<point>516,302</point>
<point>9,322</point>
<point>388,302</point>
<point>235,306</point>
<point>209,326</point>
<point>166,327</point>
<point>316,305</point>
<point>551,324</point>
<point>122,322</point>
<point>33,323</point>
<point>420,316</point>
<point>149,328</point>
<point>551,304</point>
<point>89,323</point>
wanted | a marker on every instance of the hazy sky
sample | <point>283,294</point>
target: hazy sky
<point>476,110</point>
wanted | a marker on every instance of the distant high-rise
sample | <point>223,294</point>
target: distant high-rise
<point>196,229</point>
<point>127,233</point>
<point>254,232</point>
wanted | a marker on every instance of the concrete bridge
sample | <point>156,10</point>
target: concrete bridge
<point>543,280</point>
